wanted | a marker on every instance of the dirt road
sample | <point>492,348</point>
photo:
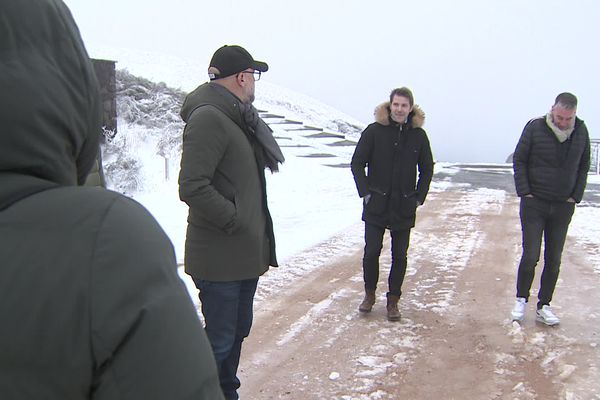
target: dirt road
<point>455,340</point>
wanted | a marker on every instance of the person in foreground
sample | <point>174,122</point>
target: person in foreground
<point>392,148</point>
<point>90,301</point>
<point>550,162</point>
<point>230,241</point>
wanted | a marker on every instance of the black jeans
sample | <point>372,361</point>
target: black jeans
<point>373,246</point>
<point>552,220</point>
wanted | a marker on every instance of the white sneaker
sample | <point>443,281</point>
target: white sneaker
<point>518,311</point>
<point>546,316</point>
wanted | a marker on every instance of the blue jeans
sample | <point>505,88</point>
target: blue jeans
<point>550,220</point>
<point>227,310</point>
<point>373,246</point>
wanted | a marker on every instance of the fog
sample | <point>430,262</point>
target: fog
<point>480,70</point>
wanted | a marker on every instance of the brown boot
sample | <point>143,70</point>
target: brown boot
<point>393,314</point>
<point>367,303</point>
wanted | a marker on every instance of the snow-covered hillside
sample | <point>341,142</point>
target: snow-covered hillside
<point>142,160</point>
<point>187,75</point>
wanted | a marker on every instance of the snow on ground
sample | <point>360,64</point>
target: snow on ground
<point>585,225</point>
<point>594,179</point>
<point>463,241</point>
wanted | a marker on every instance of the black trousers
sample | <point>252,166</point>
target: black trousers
<point>550,219</point>
<point>373,246</point>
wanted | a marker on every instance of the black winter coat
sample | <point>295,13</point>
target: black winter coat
<point>91,304</point>
<point>392,153</point>
<point>549,169</point>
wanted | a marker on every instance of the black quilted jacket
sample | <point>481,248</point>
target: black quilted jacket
<point>548,169</point>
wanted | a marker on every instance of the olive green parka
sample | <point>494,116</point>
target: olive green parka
<point>230,231</point>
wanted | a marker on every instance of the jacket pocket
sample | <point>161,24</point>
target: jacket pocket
<point>232,226</point>
<point>405,206</point>
<point>378,202</point>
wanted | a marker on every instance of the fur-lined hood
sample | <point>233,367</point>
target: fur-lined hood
<point>382,115</point>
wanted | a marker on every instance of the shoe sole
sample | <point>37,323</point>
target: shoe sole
<point>543,321</point>
<point>518,319</point>
<point>364,309</point>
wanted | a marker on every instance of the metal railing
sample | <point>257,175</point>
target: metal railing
<point>595,156</point>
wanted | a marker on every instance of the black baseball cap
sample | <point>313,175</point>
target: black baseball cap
<point>230,60</point>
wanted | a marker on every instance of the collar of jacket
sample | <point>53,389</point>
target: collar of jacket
<point>416,118</point>
<point>217,96</point>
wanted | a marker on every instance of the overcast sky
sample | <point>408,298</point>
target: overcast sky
<point>479,69</point>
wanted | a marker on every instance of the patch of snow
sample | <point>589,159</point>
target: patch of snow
<point>334,376</point>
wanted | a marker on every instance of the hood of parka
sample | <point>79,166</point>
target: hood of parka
<point>50,116</point>
<point>215,95</point>
<point>416,118</point>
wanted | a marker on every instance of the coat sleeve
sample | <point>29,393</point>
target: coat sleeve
<point>584,167</point>
<point>360,160</point>
<point>204,144</point>
<point>521,161</point>
<point>425,164</point>
<point>147,339</point>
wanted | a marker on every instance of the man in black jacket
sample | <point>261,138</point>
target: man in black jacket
<point>91,304</point>
<point>392,148</point>
<point>551,162</point>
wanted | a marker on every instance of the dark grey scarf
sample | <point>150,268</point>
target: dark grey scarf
<point>257,128</point>
<point>267,150</point>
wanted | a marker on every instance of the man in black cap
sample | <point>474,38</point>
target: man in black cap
<point>230,241</point>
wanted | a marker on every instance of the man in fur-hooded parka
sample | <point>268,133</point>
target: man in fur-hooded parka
<point>392,152</point>
<point>392,149</point>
